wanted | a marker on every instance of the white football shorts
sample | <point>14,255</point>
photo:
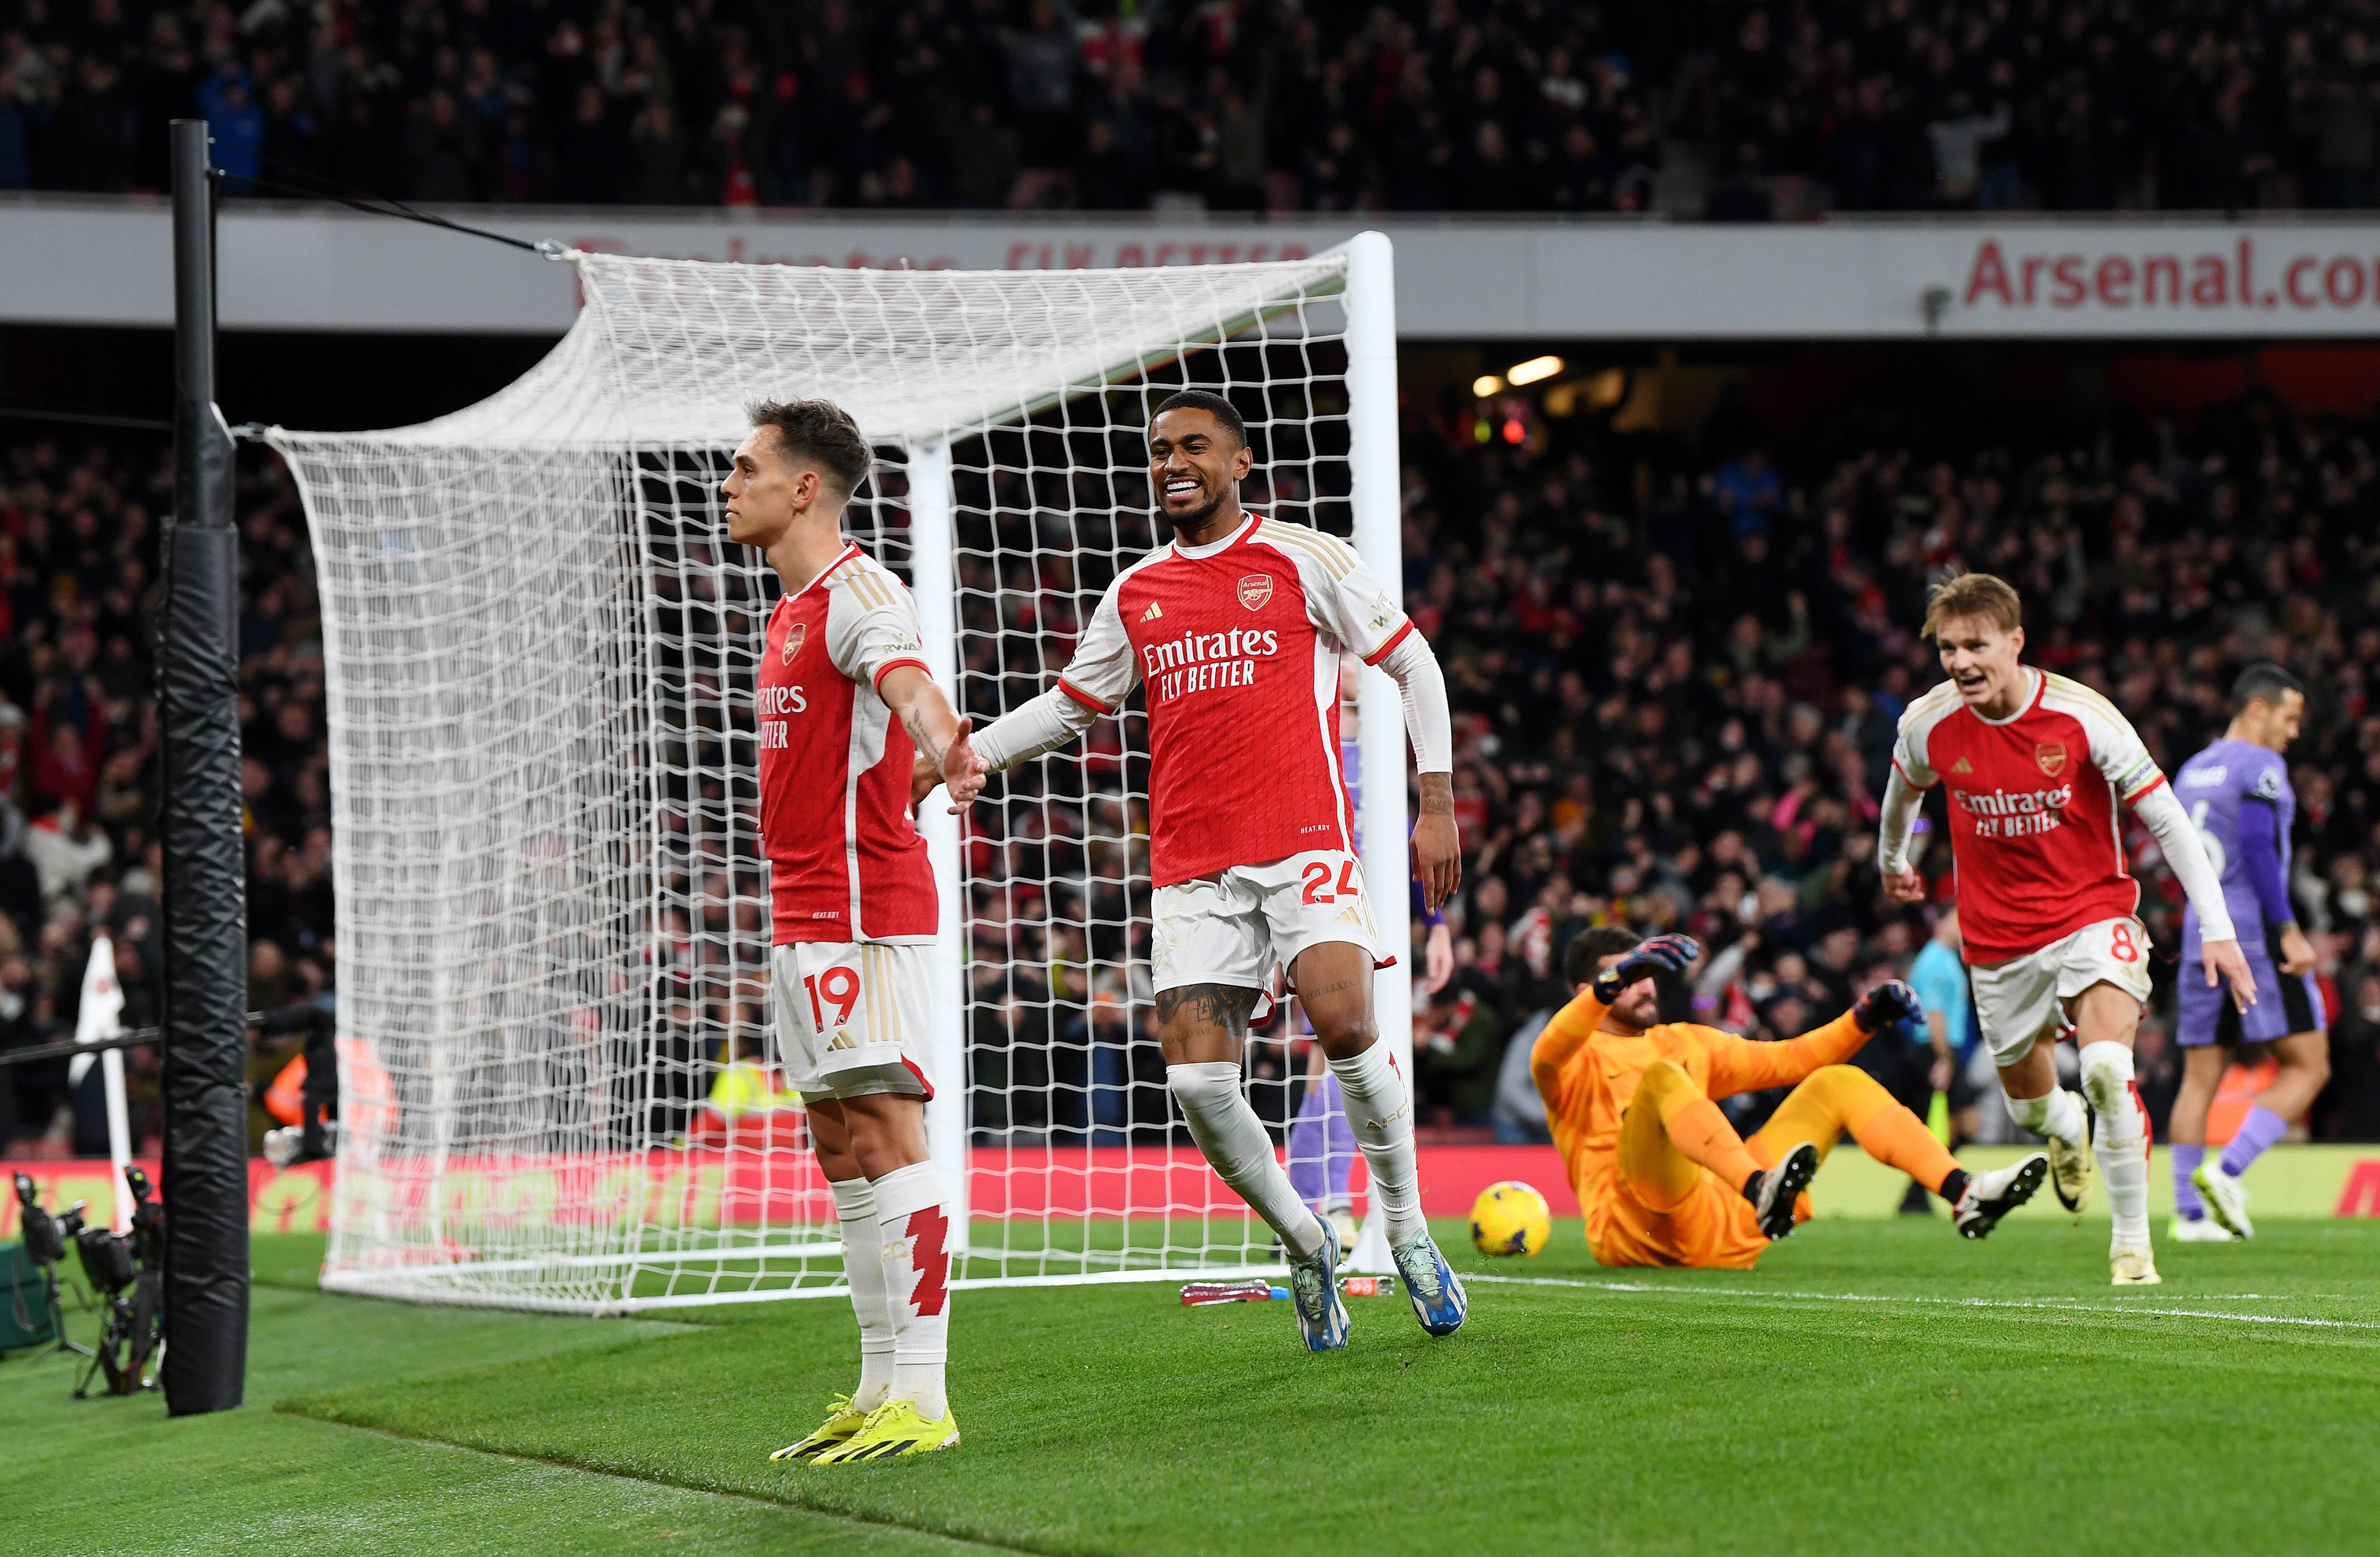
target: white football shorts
<point>2021,1000</point>
<point>854,1017</point>
<point>1233,926</point>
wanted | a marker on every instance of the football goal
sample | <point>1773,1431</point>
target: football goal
<point>555,1046</point>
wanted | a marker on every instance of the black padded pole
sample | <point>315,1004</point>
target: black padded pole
<point>199,825</point>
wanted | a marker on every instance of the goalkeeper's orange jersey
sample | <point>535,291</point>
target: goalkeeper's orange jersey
<point>1588,1077</point>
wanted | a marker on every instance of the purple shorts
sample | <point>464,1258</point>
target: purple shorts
<point>2283,1004</point>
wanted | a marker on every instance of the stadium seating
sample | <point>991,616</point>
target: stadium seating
<point>1672,708</point>
<point>1735,111</point>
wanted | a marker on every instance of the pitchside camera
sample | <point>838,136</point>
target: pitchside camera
<point>107,1259</point>
<point>127,1269</point>
<point>46,1236</point>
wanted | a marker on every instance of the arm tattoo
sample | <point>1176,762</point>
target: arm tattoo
<point>1438,794</point>
<point>1226,1006</point>
<point>913,720</point>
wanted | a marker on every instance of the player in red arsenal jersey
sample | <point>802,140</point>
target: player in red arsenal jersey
<point>1236,629</point>
<point>2036,767</point>
<point>842,703</point>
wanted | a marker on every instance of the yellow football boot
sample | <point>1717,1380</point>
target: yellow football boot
<point>843,1420</point>
<point>2132,1267</point>
<point>892,1429</point>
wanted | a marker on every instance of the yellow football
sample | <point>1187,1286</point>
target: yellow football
<point>1511,1218</point>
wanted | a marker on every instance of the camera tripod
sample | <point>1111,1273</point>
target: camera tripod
<point>46,1237</point>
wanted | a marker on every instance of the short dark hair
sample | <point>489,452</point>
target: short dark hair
<point>1590,947</point>
<point>2264,682</point>
<point>821,434</point>
<point>1209,402</point>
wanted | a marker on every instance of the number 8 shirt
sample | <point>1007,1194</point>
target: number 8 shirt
<point>2045,904</point>
<point>1251,839</point>
<point>852,891</point>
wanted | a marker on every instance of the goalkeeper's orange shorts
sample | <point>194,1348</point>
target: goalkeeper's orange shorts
<point>1711,1227</point>
<point>1655,1206</point>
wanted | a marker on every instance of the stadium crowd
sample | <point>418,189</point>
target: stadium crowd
<point>1736,109</point>
<point>1675,697</point>
<point>78,777</point>
<point>1679,717</point>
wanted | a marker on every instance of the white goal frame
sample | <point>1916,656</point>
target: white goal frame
<point>608,1283</point>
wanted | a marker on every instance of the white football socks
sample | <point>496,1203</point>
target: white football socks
<point>2123,1140</point>
<point>916,1231</point>
<point>1380,1110</point>
<point>1239,1151</point>
<point>2056,1116</point>
<point>862,1265</point>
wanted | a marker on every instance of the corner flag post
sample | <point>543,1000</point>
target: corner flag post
<point>205,909</point>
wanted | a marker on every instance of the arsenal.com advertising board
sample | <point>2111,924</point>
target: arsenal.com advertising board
<point>99,261</point>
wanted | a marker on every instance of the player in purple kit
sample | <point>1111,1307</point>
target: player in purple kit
<point>2237,793</point>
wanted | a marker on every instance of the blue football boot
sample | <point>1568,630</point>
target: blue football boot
<point>1314,1293</point>
<point>1437,1298</point>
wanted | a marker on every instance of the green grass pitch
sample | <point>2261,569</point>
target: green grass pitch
<point>1877,1387</point>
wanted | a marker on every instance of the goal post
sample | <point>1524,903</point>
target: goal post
<point>934,588</point>
<point>1377,482</point>
<point>556,1039</point>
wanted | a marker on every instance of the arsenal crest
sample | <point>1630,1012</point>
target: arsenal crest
<point>1255,590</point>
<point>794,637</point>
<point>2051,755</point>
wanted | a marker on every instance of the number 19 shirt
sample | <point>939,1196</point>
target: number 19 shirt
<point>845,861</point>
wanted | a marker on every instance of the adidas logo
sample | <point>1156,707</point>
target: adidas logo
<point>1153,612</point>
<point>1962,766</point>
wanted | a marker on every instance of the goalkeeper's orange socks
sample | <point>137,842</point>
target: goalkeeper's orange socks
<point>1380,1110</point>
<point>916,1237</point>
<point>863,1267</point>
<point>1702,1134</point>
<point>1900,1139</point>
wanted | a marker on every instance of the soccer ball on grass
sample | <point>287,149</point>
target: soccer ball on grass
<point>1510,1218</point>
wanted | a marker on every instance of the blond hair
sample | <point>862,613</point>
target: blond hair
<point>1981,595</point>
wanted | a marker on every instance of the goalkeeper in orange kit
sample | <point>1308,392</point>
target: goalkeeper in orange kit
<point>1664,1180</point>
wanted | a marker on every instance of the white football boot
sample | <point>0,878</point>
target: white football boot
<point>2226,1197</point>
<point>2204,1229</point>
<point>1990,1196</point>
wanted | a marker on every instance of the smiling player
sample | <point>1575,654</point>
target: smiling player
<point>2037,768</point>
<point>1236,629</point>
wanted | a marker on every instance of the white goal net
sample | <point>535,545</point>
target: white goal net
<point>557,1057</point>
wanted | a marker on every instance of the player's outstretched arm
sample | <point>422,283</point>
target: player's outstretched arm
<point>943,737</point>
<point>1096,681</point>
<point>2186,857</point>
<point>1040,725</point>
<point>1740,1066</point>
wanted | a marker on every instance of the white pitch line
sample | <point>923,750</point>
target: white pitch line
<point>2057,1304</point>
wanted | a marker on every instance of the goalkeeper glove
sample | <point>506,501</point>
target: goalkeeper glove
<point>1887,1004</point>
<point>1662,954</point>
